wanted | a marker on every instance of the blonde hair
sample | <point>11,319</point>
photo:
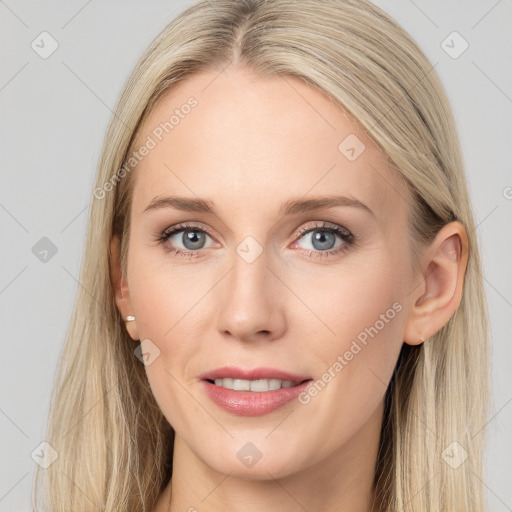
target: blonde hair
<point>114,444</point>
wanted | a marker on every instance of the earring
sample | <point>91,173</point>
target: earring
<point>129,318</point>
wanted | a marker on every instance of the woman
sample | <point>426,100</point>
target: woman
<point>282,304</point>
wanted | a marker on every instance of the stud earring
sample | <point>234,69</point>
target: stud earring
<point>129,318</point>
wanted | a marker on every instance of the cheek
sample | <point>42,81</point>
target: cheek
<point>359,302</point>
<point>168,311</point>
<point>167,307</point>
<point>362,313</point>
<point>164,296</point>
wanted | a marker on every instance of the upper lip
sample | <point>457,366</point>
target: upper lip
<point>252,374</point>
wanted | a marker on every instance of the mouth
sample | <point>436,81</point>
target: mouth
<point>252,392</point>
<point>257,386</point>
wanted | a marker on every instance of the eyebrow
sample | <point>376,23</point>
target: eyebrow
<point>290,207</point>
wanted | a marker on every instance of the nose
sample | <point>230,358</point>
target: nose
<point>251,302</point>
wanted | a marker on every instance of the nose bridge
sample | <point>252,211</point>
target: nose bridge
<point>249,275</point>
<point>249,305</point>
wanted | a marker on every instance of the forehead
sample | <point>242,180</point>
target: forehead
<point>245,141</point>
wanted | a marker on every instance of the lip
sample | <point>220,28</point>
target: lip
<point>253,374</point>
<point>252,403</point>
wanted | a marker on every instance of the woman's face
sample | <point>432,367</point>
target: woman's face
<point>270,276</point>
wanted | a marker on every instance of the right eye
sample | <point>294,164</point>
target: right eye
<point>191,237</point>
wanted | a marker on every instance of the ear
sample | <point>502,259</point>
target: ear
<point>443,269</point>
<point>120,287</point>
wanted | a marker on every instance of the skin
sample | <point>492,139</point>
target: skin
<point>250,145</point>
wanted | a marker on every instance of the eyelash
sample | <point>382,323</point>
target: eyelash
<point>347,237</point>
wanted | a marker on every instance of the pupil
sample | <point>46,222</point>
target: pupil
<point>321,236</point>
<point>194,238</point>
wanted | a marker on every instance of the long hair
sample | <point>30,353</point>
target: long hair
<point>114,445</point>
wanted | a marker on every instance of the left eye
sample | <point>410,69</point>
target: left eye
<point>321,239</point>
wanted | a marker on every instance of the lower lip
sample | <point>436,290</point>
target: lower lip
<point>252,403</point>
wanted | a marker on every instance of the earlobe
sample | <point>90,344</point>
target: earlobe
<point>120,288</point>
<point>443,275</point>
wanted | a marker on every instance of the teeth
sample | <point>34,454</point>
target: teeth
<point>259,385</point>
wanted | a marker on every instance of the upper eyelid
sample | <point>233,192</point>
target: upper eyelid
<point>325,225</point>
<point>302,231</point>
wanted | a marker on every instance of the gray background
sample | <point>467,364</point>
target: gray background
<point>54,114</point>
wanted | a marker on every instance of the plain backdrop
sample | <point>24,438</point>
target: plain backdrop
<point>54,113</point>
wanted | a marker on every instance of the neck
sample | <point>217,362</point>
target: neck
<point>344,481</point>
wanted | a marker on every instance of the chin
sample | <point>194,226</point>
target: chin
<point>263,459</point>
<point>261,470</point>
